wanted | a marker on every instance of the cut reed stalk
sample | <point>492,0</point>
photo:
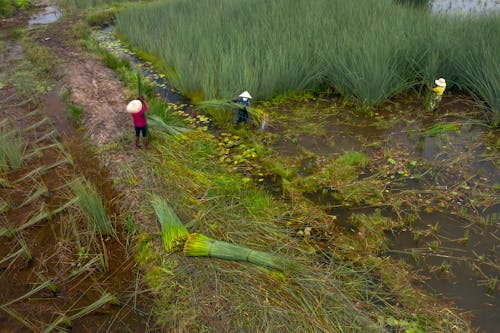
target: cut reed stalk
<point>68,319</point>
<point>4,206</point>
<point>12,256</point>
<point>21,319</point>
<point>43,169</point>
<point>43,214</point>
<point>30,114</point>
<point>158,123</point>
<point>49,135</point>
<point>39,190</point>
<point>47,284</point>
<point>173,232</point>
<point>37,151</point>
<point>44,121</point>
<point>199,245</point>
<point>12,149</point>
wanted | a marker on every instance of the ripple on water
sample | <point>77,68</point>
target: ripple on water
<point>49,15</point>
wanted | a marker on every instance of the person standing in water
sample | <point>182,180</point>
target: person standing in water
<point>436,94</point>
<point>137,109</point>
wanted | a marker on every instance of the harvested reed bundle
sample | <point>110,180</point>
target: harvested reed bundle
<point>157,122</point>
<point>198,245</point>
<point>173,232</point>
<point>256,115</point>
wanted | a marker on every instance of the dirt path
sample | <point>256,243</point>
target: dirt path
<point>93,86</point>
<point>97,90</point>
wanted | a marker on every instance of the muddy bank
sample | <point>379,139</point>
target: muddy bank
<point>54,270</point>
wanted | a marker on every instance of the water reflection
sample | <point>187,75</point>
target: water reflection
<point>465,6</point>
<point>49,15</point>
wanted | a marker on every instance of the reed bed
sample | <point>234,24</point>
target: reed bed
<point>369,50</point>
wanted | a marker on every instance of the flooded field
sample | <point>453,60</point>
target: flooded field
<point>58,272</point>
<point>450,236</point>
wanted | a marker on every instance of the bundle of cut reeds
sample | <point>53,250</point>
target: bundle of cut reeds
<point>199,245</point>
<point>173,232</point>
<point>256,114</point>
<point>158,123</point>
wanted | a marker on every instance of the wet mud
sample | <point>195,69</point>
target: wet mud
<point>51,265</point>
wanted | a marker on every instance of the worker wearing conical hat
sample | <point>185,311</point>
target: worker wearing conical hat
<point>242,113</point>
<point>137,109</point>
<point>437,94</point>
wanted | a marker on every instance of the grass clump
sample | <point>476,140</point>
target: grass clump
<point>12,149</point>
<point>75,113</point>
<point>92,207</point>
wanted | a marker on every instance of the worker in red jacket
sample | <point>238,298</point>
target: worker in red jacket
<point>137,109</point>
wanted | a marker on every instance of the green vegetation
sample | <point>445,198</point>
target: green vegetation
<point>75,113</point>
<point>92,207</point>
<point>198,245</point>
<point>216,199</point>
<point>368,50</point>
<point>12,148</point>
<point>9,7</point>
<point>173,232</point>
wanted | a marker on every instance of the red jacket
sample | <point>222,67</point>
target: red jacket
<point>140,117</point>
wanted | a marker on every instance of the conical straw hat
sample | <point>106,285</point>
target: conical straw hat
<point>245,94</point>
<point>441,82</point>
<point>134,106</point>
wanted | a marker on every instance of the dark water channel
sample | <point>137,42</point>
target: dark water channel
<point>459,260</point>
<point>163,88</point>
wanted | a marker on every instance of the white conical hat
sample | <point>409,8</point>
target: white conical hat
<point>441,82</point>
<point>134,106</point>
<point>245,94</point>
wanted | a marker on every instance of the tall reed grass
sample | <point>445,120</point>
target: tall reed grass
<point>368,50</point>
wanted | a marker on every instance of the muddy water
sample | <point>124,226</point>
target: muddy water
<point>461,267</point>
<point>458,257</point>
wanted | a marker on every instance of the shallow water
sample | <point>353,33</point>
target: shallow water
<point>49,15</point>
<point>465,6</point>
<point>458,269</point>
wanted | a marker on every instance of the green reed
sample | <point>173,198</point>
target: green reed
<point>368,50</point>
